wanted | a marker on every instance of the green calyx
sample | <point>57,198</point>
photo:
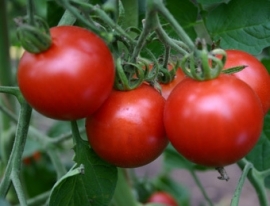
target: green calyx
<point>202,64</point>
<point>128,76</point>
<point>34,38</point>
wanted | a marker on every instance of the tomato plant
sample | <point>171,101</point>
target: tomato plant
<point>77,51</point>
<point>215,122</point>
<point>72,78</point>
<point>162,197</point>
<point>127,130</point>
<point>254,74</point>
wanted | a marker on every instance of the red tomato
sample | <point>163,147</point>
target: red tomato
<point>162,197</point>
<point>72,78</point>
<point>255,74</point>
<point>127,130</point>
<point>213,123</point>
<point>166,89</point>
<point>33,158</point>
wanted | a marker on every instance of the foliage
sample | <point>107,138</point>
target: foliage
<point>137,32</point>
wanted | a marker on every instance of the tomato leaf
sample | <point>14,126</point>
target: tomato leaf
<point>185,13</point>
<point>260,154</point>
<point>91,182</point>
<point>172,160</point>
<point>233,24</point>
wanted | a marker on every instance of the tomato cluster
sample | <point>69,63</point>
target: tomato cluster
<point>213,123</point>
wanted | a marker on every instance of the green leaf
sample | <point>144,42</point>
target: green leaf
<point>172,160</point>
<point>185,13</point>
<point>94,185</point>
<point>241,24</point>
<point>260,154</point>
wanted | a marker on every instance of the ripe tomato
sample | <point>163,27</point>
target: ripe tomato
<point>36,156</point>
<point>127,130</point>
<point>255,74</point>
<point>213,123</point>
<point>72,78</point>
<point>166,89</point>
<point>162,197</point>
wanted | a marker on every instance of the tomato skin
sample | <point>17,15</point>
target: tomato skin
<point>255,74</point>
<point>162,197</point>
<point>127,130</point>
<point>72,78</point>
<point>166,89</point>
<point>213,123</point>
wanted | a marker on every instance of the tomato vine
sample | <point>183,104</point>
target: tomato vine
<point>116,136</point>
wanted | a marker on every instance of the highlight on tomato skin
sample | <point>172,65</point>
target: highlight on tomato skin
<point>213,123</point>
<point>163,198</point>
<point>71,79</point>
<point>127,130</point>
<point>254,74</point>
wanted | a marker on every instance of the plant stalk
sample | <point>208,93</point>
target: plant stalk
<point>257,180</point>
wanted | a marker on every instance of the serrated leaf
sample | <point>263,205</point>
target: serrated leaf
<point>94,186</point>
<point>241,24</point>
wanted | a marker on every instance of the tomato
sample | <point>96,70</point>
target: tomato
<point>215,122</point>
<point>162,197</point>
<point>255,74</point>
<point>72,78</point>
<point>36,156</point>
<point>166,89</point>
<point>127,130</point>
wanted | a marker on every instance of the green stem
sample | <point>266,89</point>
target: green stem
<point>68,18</point>
<point>18,188</point>
<point>166,56</point>
<point>257,181</point>
<point>158,5</point>
<point>39,199</point>
<point>150,25</point>
<point>104,17</point>
<point>5,68</point>
<point>165,39</point>
<point>14,163</point>
<point>199,184</point>
<point>31,12</point>
<point>236,196</point>
<point>56,161</point>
